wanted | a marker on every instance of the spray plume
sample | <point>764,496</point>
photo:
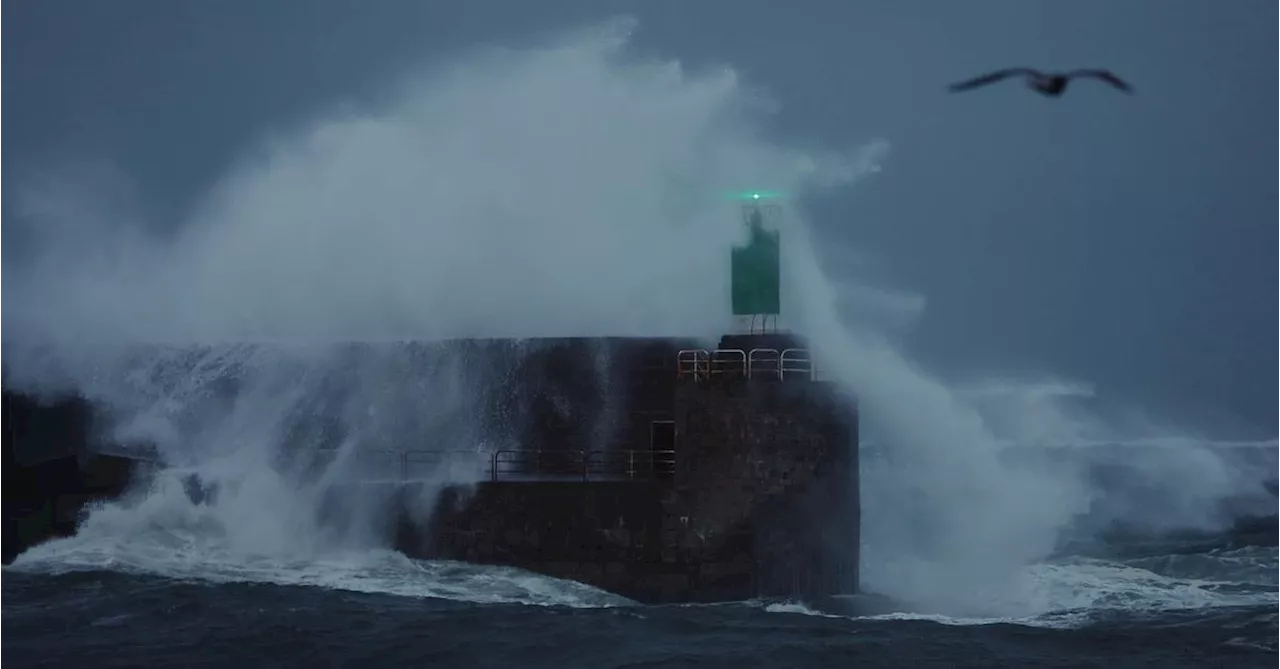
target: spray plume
<point>566,189</point>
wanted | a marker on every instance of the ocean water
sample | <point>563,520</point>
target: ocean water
<point>170,589</point>
<point>108,618</point>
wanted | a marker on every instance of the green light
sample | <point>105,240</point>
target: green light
<point>756,195</point>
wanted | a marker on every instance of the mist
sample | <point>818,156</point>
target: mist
<point>507,194</point>
<point>569,188</point>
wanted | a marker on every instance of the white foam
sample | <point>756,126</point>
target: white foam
<point>367,572</point>
<point>1076,592</point>
<point>795,608</point>
<point>261,528</point>
<point>564,189</point>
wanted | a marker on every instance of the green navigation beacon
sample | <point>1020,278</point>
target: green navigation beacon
<point>756,268</point>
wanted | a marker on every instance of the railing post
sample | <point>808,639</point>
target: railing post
<point>723,358</point>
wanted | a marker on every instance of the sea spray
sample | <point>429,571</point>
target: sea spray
<point>571,188</point>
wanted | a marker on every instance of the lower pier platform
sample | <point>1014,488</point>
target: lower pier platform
<point>627,537</point>
<point>656,471</point>
<point>45,500</point>
<point>615,535</point>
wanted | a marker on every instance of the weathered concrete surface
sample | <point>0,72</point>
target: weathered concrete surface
<point>38,431</point>
<point>763,503</point>
<point>763,499</point>
<point>616,535</point>
<point>49,477</point>
<point>47,500</point>
<point>780,459</point>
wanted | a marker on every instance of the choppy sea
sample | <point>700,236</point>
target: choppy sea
<point>160,597</point>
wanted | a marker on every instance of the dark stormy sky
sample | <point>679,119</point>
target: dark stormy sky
<point>1125,241</point>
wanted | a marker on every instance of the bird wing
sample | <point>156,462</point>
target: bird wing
<point>1104,75</point>
<point>992,78</point>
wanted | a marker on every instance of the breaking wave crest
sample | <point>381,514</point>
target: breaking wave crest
<point>163,532</point>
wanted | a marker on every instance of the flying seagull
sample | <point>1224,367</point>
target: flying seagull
<point>1051,84</point>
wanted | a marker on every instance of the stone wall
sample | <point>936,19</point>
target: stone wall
<point>604,533</point>
<point>763,500</point>
<point>47,500</point>
<point>778,462</point>
<point>763,503</point>
<point>36,431</point>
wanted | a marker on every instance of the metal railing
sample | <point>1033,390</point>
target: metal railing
<point>693,363</point>
<point>412,465</point>
<point>513,464</point>
<point>584,465</point>
<point>728,362</point>
<point>758,363</point>
<point>796,361</point>
<point>764,362</point>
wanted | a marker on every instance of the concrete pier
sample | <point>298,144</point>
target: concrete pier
<point>721,474</point>
<point>749,491</point>
<point>50,474</point>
